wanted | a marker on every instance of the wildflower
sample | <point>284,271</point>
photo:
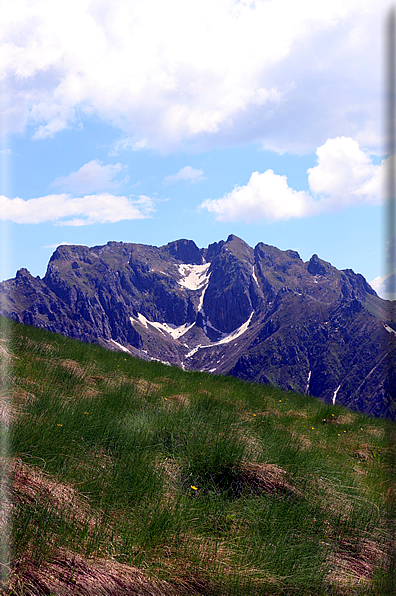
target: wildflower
<point>280,400</point>
<point>194,487</point>
<point>313,428</point>
<point>332,414</point>
<point>166,399</point>
<point>339,434</point>
<point>344,431</point>
<point>85,412</point>
<point>361,429</point>
<point>254,414</point>
<point>59,425</point>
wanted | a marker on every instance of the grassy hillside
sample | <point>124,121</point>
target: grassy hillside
<point>128,477</point>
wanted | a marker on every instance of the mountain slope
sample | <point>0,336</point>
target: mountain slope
<point>128,477</point>
<point>259,314</point>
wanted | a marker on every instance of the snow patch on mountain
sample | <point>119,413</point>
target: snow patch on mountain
<point>254,276</point>
<point>141,319</point>
<point>120,346</point>
<point>335,394</point>
<point>308,382</point>
<point>195,277</point>
<point>237,332</point>
<point>172,330</point>
<point>195,350</point>
<point>226,339</point>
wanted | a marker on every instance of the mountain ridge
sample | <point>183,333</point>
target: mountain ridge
<point>260,314</point>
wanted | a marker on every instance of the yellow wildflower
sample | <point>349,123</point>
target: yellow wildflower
<point>194,487</point>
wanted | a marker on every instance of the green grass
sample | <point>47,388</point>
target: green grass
<point>211,484</point>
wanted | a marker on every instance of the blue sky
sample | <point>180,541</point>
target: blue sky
<point>148,121</point>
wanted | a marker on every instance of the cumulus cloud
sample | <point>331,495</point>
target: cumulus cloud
<point>91,177</point>
<point>385,286</point>
<point>265,196</point>
<point>344,176</point>
<point>63,209</point>
<point>186,174</point>
<point>288,73</point>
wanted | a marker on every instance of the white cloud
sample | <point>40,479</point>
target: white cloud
<point>129,143</point>
<point>187,174</point>
<point>63,209</point>
<point>344,176</point>
<point>91,177</point>
<point>385,286</point>
<point>266,196</point>
<point>290,74</point>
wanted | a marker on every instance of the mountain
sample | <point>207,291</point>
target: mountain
<point>260,314</point>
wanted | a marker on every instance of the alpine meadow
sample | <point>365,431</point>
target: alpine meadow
<point>134,477</point>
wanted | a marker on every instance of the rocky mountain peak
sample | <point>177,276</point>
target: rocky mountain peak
<point>293,254</point>
<point>260,314</point>
<point>213,250</point>
<point>358,284</point>
<point>239,248</point>
<point>184,250</point>
<point>22,273</point>
<point>316,266</point>
<point>233,238</point>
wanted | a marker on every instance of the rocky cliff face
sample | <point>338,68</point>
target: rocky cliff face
<point>260,314</point>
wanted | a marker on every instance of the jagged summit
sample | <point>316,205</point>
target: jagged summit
<point>260,313</point>
<point>316,266</point>
<point>185,250</point>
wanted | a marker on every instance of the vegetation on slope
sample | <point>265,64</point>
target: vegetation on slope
<point>140,478</point>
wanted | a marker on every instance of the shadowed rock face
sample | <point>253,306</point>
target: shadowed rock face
<point>315,267</point>
<point>186,251</point>
<point>260,314</point>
